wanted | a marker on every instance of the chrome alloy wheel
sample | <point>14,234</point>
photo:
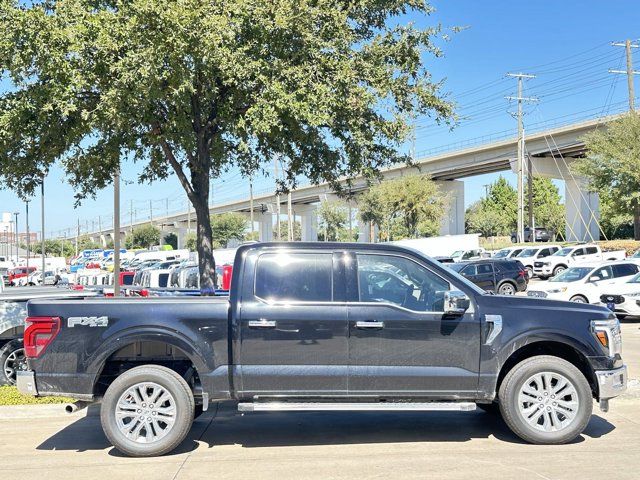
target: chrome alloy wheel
<point>548,402</point>
<point>146,412</point>
<point>15,361</point>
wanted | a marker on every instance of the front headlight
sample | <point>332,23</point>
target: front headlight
<point>557,290</point>
<point>608,334</point>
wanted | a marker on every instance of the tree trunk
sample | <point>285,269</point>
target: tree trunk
<point>204,233</point>
<point>636,219</point>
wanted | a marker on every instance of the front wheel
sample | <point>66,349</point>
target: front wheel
<point>546,400</point>
<point>578,299</point>
<point>147,411</point>
<point>558,270</point>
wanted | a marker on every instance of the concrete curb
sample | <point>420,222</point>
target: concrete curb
<point>13,412</point>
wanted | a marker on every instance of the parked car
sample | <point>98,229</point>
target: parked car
<point>508,252</point>
<point>530,255</point>
<point>502,276</point>
<point>623,298</point>
<point>541,235</point>
<point>584,283</point>
<point>18,275</point>
<point>569,256</point>
<point>467,255</point>
<point>50,278</point>
<point>316,333</point>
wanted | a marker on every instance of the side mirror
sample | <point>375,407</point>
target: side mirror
<point>594,279</point>
<point>455,303</point>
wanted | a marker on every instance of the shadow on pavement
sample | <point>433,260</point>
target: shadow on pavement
<point>229,427</point>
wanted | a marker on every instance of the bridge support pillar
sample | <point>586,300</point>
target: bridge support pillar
<point>453,220</point>
<point>265,226</point>
<point>308,222</point>
<point>582,212</point>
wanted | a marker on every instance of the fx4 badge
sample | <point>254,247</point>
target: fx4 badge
<point>88,321</point>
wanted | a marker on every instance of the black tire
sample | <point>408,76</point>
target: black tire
<point>559,269</point>
<point>514,382</point>
<point>507,288</point>
<point>12,359</point>
<point>579,299</point>
<point>542,277</point>
<point>170,381</point>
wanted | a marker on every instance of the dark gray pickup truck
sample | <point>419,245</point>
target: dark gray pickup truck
<point>322,326</point>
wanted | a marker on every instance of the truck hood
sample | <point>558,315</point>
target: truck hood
<point>546,309</point>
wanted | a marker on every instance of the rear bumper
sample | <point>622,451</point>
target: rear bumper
<point>28,384</point>
<point>611,383</point>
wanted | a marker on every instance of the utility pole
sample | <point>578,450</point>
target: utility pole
<point>116,232</point>
<point>251,205</point>
<point>630,72</point>
<point>77,237</point>
<point>27,220</point>
<point>131,218</point>
<point>151,211</point>
<point>42,224</point>
<point>166,207</point>
<point>275,167</point>
<point>290,218</point>
<point>520,165</point>
<point>17,238</point>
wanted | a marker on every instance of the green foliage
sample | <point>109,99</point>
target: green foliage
<point>612,165</point>
<point>190,242</point>
<point>143,237</point>
<point>194,88</point>
<point>483,218</point>
<point>333,221</point>
<point>616,224</point>
<point>171,239</point>
<point>11,396</point>
<point>284,231</point>
<point>54,248</point>
<point>85,243</point>
<point>503,198</point>
<point>406,207</point>
<point>228,226</point>
<point>548,211</point>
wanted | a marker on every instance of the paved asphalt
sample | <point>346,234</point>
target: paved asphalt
<point>40,443</point>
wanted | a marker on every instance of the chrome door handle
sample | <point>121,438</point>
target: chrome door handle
<point>262,323</point>
<point>369,324</point>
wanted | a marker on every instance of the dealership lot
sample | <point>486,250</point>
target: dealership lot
<point>225,444</point>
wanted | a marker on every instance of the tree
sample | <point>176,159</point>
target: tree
<point>483,218</point>
<point>193,88</point>
<point>143,237</point>
<point>410,206</point>
<point>228,226</point>
<point>54,248</point>
<point>284,231</point>
<point>612,165</point>
<point>503,198</point>
<point>171,239</point>
<point>548,210</point>
<point>190,242</point>
<point>332,221</point>
<point>615,224</point>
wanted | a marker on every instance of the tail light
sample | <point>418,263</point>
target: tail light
<point>227,271</point>
<point>39,333</point>
<point>522,273</point>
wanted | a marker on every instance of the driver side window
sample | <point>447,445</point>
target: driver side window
<point>400,281</point>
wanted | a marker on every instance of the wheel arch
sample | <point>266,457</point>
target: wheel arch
<point>553,347</point>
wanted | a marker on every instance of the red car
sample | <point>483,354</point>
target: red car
<point>19,272</point>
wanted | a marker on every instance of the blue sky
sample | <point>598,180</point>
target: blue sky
<point>565,43</point>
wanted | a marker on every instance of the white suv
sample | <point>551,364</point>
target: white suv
<point>531,255</point>
<point>568,256</point>
<point>584,283</point>
<point>624,299</point>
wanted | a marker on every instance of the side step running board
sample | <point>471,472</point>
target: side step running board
<point>354,407</point>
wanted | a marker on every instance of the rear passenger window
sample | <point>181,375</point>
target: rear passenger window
<point>294,277</point>
<point>591,250</point>
<point>484,268</point>
<point>624,270</point>
<point>544,253</point>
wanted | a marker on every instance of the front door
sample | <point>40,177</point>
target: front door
<point>293,328</point>
<point>400,341</point>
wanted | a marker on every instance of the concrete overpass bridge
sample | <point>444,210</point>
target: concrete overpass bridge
<point>551,152</point>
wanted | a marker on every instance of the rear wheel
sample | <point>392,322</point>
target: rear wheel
<point>507,288</point>
<point>546,400</point>
<point>12,360</point>
<point>147,411</point>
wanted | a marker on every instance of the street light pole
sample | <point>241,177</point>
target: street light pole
<point>17,238</point>
<point>27,220</point>
<point>116,233</point>
<point>42,223</point>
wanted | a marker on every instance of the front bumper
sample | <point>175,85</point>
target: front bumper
<point>26,382</point>
<point>611,383</point>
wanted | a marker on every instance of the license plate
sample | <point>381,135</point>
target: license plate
<point>611,306</point>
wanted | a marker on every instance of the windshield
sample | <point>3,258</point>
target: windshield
<point>572,274</point>
<point>528,252</point>
<point>457,253</point>
<point>636,255</point>
<point>502,253</point>
<point>563,252</point>
<point>635,279</point>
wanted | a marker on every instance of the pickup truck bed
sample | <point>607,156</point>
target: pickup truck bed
<point>324,326</point>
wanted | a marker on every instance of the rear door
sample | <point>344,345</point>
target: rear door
<point>400,342</point>
<point>293,325</point>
